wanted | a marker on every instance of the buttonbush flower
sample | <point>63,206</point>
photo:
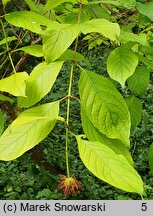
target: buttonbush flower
<point>69,185</point>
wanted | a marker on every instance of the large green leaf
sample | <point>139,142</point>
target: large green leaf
<point>146,9</point>
<point>102,26</point>
<point>34,50</point>
<point>27,130</point>
<point>139,81</point>
<point>57,41</point>
<point>108,166</point>
<point>31,21</point>
<point>104,106</point>
<point>121,64</point>
<point>150,158</point>
<point>40,83</point>
<point>94,135</point>
<point>2,121</point>
<point>135,109</point>
<point>14,84</point>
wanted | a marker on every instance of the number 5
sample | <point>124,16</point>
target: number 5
<point>144,207</point>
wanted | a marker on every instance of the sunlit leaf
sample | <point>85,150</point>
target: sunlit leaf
<point>34,50</point>
<point>31,21</point>
<point>108,166</point>
<point>27,130</point>
<point>106,28</point>
<point>121,64</point>
<point>14,84</point>
<point>57,41</point>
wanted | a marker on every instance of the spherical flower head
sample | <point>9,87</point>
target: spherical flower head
<point>70,185</point>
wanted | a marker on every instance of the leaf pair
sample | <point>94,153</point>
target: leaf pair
<point>106,123</point>
<point>58,37</point>
<point>31,89</point>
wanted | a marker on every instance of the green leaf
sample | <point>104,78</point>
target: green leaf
<point>121,64</point>
<point>108,166</point>
<point>27,130</point>
<point>34,50</point>
<point>146,9</point>
<point>54,3</point>
<point>139,38</point>
<point>31,21</point>
<point>14,84</point>
<point>106,28</point>
<point>2,122</point>
<point>150,158</point>
<point>70,55</point>
<point>94,135</point>
<point>139,81</point>
<point>5,98</point>
<point>9,39</point>
<point>40,83</point>
<point>104,106</point>
<point>57,41</point>
<point>135,109</point>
